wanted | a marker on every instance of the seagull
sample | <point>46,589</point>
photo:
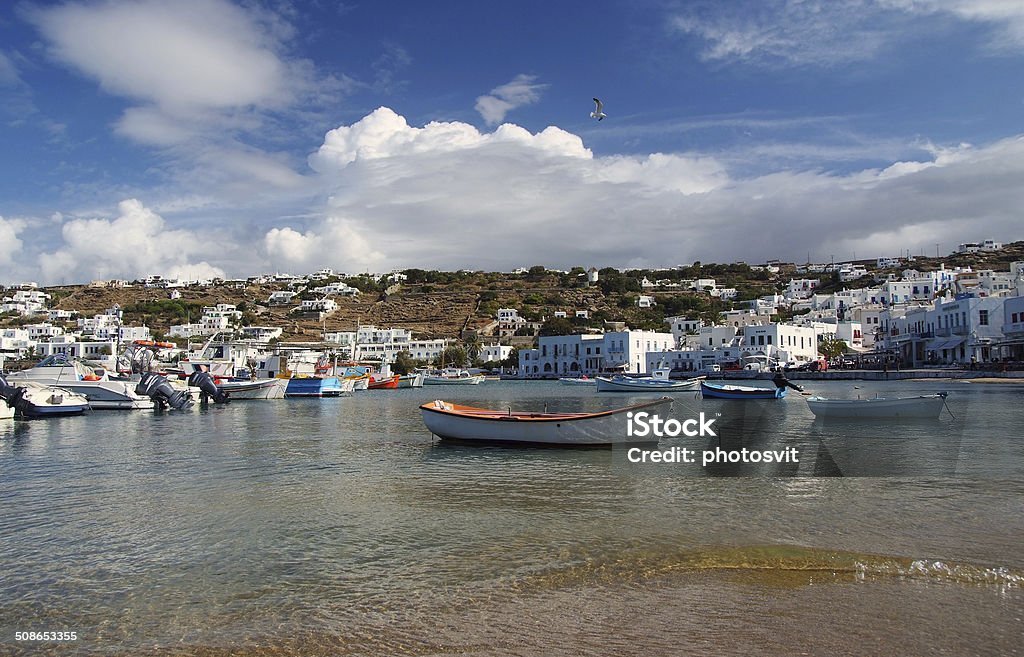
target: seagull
<point>597,113</point>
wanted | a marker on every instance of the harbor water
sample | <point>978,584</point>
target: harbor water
<point>342,527</point>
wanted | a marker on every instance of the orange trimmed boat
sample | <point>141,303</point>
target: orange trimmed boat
<point>383,383</point>
<point>468,424</point>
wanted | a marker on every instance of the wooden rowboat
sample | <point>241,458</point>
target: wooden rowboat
<point>453,422</point>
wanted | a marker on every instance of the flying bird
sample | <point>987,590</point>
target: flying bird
<point>598,112</point>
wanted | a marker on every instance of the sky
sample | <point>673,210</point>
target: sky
<point>206,138</point>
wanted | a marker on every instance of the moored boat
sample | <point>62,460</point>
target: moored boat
<point>922,406</point>
<point>383,382</point>
<point>94,383</point>
<point>253,388</point>
<point>577,381</point>
<point>35,400</point>
<point>723,391</point>
<point>317,386</point>
<point>659,382</point>
<point>412,380</point>
<point>454,422</point>
<point>453,376</point>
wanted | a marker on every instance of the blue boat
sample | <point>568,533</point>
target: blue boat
<point>723,391</point>
<point>327,386</point>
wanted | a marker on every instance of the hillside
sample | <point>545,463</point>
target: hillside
<point>442,304</point>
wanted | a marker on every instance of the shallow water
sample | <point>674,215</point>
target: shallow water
<point>340,526</point>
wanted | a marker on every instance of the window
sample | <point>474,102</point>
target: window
<point>982,318</point>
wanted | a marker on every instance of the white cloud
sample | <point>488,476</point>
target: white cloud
<point>508,198</point>
<point>827,32</point>
<point>336,243</point>
<point>448,196</point>
<point>10,245</point>
<point>522,90</point>
<point>135,243</point>
<point>205,79</point>
<point>182,55</point>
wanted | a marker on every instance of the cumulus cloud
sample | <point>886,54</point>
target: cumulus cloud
<point>336,243</point>
<point>522,90</point>
<point>447,195</point>
<point>10,245</point>
<point>136,243</point>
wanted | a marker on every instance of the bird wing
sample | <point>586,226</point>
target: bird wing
<point>600,106</point>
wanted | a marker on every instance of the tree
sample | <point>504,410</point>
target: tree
<point>404,363</point>
<point>472,342</point>
<point>831,347</point>
<point>452,356</point>
<point>557,326</point>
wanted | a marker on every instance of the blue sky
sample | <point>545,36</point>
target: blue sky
<point>208,137</point>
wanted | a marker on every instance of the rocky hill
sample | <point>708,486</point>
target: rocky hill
<point>444,304</point>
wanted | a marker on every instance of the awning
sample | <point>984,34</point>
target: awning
<point>939,344</point>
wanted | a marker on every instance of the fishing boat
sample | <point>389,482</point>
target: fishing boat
<point>577,381</point>
<point>660,381</point>
<point>317,386</point>
<point>96,384</point>
<point>922,406</point>
<point>723,391</point>
<point>457,423</point>
<point>383,382</point>
<point>35,400</point>
<point>412,380</point>
<point>453,376</point>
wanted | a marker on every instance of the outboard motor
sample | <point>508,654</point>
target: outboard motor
<point>204,382</point>
<point>12,395</point>
<point>781,381</point>
<point>159,389</point>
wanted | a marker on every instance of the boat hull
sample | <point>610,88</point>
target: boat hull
<point>719,391</point>
<point>41,401</point>
<point>103,394</point>
<point>627,384</point>
<point>389,383</point>
<point>925,406</point>
<point>453,381</point>
<point>573,381</point>
<point>411,380</point>
<point>258,389</point>
<point>329,386</point>
<point>464,424</point>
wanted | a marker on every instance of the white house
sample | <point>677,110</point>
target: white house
<point>570,355</point>
<point>493,353</point>
<point>801,288</point>
<point>645,301</point>
<point>280,297</point>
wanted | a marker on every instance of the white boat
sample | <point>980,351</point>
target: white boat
<point>95,384</point>
<point>253,389</point>
<point>34,400</point>
<point>456,423</point>
<point>411,380</point>
<point>577,381</point>
<point>923,406</point>
<point>453,376</point>
<point>659,382</point>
